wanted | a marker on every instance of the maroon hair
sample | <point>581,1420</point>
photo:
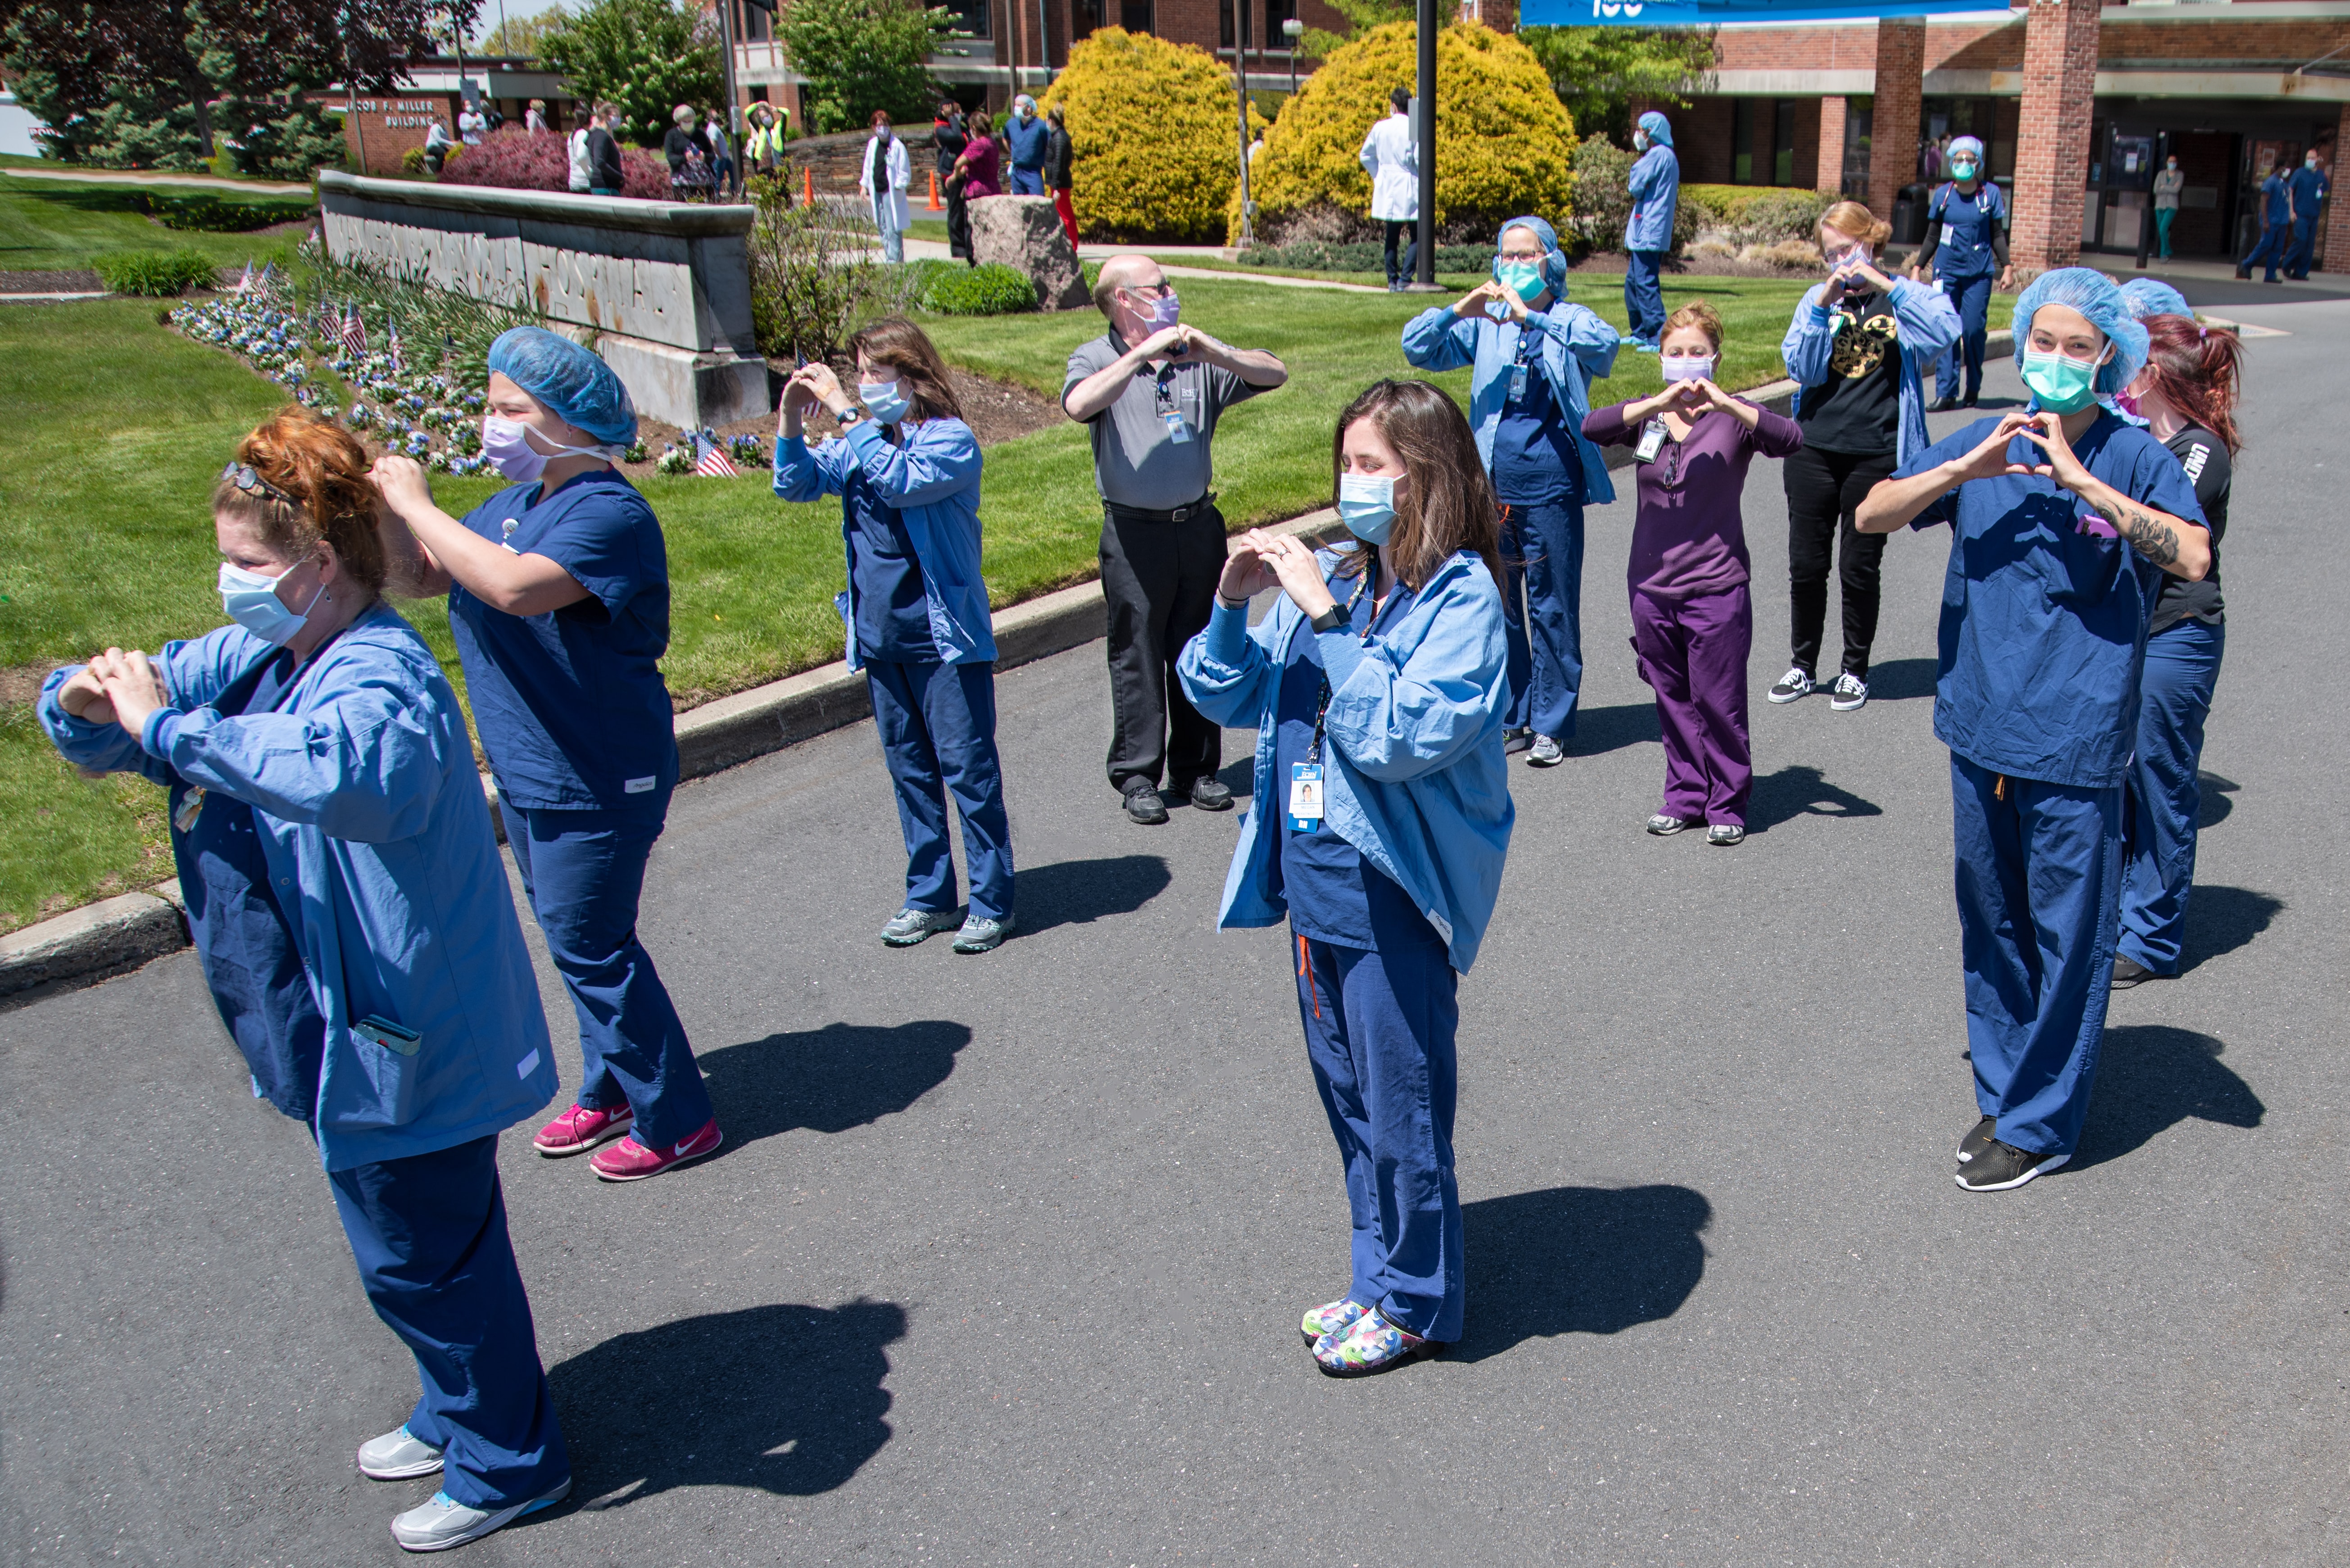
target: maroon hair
<point>2196,370</point>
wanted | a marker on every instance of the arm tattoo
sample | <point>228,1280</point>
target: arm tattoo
<point>2155,542</point>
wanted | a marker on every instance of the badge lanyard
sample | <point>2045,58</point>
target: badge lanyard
<point>1305,777</point>
<point>1518,372</point>
<point>1176,431</point>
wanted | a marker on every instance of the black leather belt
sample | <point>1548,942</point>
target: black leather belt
<point>1145,515</point>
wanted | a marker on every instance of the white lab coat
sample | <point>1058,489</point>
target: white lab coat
<point>1390,156</point>
<point>888,202</point>
<point>580,181</point>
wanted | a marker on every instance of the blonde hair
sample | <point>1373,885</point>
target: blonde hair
<point>1696,313</point>
<point>1855,222</point>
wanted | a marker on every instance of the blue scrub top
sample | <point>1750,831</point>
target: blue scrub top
<point>1535,459</point>
<point>1967,223</point>
<point>2277,207</point>
<point>2308,187</point>
<point>570,705</point>
<point>1331,889</point>
<point>2044,625</point>
<point>892,607</point>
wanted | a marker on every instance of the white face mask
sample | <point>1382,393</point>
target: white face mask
<point>1688,368</point>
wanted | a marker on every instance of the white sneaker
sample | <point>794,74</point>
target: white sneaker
<point>1791,685</point>
<point>397,1456</point>
<point>1850,691</point>
<point>440,1524</point>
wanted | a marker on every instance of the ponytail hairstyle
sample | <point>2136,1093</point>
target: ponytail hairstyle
<point>315,490</point>
<point>2196,371</point>
<point>1855,222</point>
<point>1446,505</point>
<point>906,348</point>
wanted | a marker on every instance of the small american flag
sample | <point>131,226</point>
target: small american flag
<point>710,458</point>
<point>391,347</point>
<point>329,332</point>
<point>354,331</point>
<point>245,283</point>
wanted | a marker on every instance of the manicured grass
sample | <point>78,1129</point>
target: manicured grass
<point>49,225</point>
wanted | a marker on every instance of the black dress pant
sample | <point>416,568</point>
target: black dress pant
<point>958,224</point>
<point>1160,581</point>
<point>1407,233</point>
<point>1824,489</point>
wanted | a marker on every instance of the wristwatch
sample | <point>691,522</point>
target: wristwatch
<point>1330,620</point>
<point>848,416</point>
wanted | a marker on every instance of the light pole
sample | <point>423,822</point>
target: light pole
<point>1424,113</point>
<point>1292,29</point>
<point>1248,208</point>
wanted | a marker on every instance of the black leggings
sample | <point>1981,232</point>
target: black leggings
<point>1407,234</point>
<point>1824,489</point>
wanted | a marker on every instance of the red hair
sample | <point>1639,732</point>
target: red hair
<point>2196,371</point>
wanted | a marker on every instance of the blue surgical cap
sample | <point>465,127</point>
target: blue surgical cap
<point>2097,297</point>
<point>1553,262</point>
<point>2151,297</point>
<point>1965,144</point>
<point>1659,128</point>
<point>569,381</point>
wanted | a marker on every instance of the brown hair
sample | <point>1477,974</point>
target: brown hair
<point>2198,372</point>
<point>318,472</point>
<point>1696,313</point>
<point>1854,221</point>
<point>905,348</point>
<point>1446,505</point>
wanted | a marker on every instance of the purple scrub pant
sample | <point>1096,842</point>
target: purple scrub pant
<point>1693,653</point>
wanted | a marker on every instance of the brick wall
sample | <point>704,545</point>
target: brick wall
<point>1980,45</point>
<point>1702,135</point>
<point>1828,165</point>
<point>2335,253</point>
<point>1893,131</point>
<point>1807,136</point>
<point>2060,62</point>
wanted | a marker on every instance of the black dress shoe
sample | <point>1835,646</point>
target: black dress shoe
<point>2129,972</point>
<point>1143,805</point>
<point>1969,401</point>
<point>1209,794</point>
<point>1942,405</point>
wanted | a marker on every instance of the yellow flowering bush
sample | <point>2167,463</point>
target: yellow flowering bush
<point>1503,142</point>
<point>1154,132</point>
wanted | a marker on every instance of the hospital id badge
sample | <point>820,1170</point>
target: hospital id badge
<point>1517,383</point>
<point>1176,431</point>
<point>1305,797</point>
<point>1652,440</point>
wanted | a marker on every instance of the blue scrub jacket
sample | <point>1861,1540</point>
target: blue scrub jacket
<point>1926,322</point>
<point>1416,777</point>
<point>1577,348</point>
<point>373,822</point>
<point>1655,186</point>
<point>933,481</point>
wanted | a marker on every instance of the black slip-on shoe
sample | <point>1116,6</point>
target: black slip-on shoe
<point>2002,1166</point>
<point>1977,1139</point>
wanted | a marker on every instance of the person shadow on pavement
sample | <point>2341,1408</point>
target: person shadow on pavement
<point>1079,892</point>
<point>1801,791</point>
<point>2219,920</point>
<point>784,1397</point>
<point>1577,1260</point>
<point>2151,1076</point>
<point>1902,679</point>
<point>828,1080</point>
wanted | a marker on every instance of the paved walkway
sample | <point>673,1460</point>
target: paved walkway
<point>146,177</point>
<point>937,250</point>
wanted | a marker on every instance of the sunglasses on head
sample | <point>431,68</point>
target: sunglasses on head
<point>245,477</point>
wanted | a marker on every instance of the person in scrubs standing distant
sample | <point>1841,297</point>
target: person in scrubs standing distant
<point>558,598</point>
<point>2063,520</point>
<point>1655,186</point>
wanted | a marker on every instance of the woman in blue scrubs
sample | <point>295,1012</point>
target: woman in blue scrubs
<point>1965,249</point>
<point>558,598</point>
<point>907,470</point>
<point>1536,356</point>
<point>2065,521</point>
<point>324,796</point>
<point>2187,395</point>
<point>1381,818</point>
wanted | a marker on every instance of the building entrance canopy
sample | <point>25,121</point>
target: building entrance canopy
<point>1707,13</point>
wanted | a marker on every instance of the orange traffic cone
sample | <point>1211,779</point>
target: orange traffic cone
<point>935,205</point>
<point>807,187</point>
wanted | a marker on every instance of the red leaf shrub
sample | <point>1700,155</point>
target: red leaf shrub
<point>518,160</point>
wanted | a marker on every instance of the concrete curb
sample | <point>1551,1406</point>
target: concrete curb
<point>108,938</point>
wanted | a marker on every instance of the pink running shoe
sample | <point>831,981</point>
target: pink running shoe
<point>629,1160</point>
<point>580,1130</point>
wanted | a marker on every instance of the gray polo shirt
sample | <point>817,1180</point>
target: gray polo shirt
<point>1136,459</point>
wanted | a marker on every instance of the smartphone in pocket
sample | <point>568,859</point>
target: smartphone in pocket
<point>393,1037</point>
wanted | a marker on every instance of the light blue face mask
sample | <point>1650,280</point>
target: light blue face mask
<point>251,601</point>
<point>1524,279</point>
<point>2060,384</point>
<point>1962,172</point>
<point>883,401</point>
<point>1367,506</point>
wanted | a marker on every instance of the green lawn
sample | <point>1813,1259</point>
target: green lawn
<point>104,534</point>
<point>51,224</point>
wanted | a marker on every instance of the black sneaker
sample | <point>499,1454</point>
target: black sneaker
<point>2129,972</point>
<point>1795,683</point>
<point>1977,1139</point>
<point>1143,805</point>
<point>2002,1167</point>
<point>1209,794</point>
<point>1941,405</point>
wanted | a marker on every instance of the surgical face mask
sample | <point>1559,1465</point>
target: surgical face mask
<point>506,443</point>
<point>2309,163</point>
<point>1367,506</point>
<point>2062,385</point>
<point>1166,310</point>
<point>1639,141</point>
<point>883,401</point>
<point>251,601</point>
<point>1963,171</point>
<point>2125,401</point>
<point>1522,277</point>
<point>1688,368</point>
<point>2172,164</point>
<point>1851,255</point>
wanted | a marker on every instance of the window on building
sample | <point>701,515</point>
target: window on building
<point>753,26</point>
<point>1134,15</point>
<point>1276,12</point>
<point>1227,27</point>
<point>970,17</point>
<point>1085,15</point>
<point>1857,114</point>
<point>1782,141</point>
<point>1741,141</point>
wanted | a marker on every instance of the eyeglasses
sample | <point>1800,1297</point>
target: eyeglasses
<point>245,477</point>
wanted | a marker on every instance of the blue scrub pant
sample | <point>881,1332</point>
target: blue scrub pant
<point>1972,295</point>
<point>1541,614</point>
<point>1027,181</point>
<point>2038,884</point>
<point>2163,217</point>
<point>2163,800</point>
<point>2270,252</point>
<point>2303,248</point>
<point>1379,1031</point>
<point>428,1234</point>
<point>1644,298</point>
<point>938,734</point>
<point>585,871</point>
